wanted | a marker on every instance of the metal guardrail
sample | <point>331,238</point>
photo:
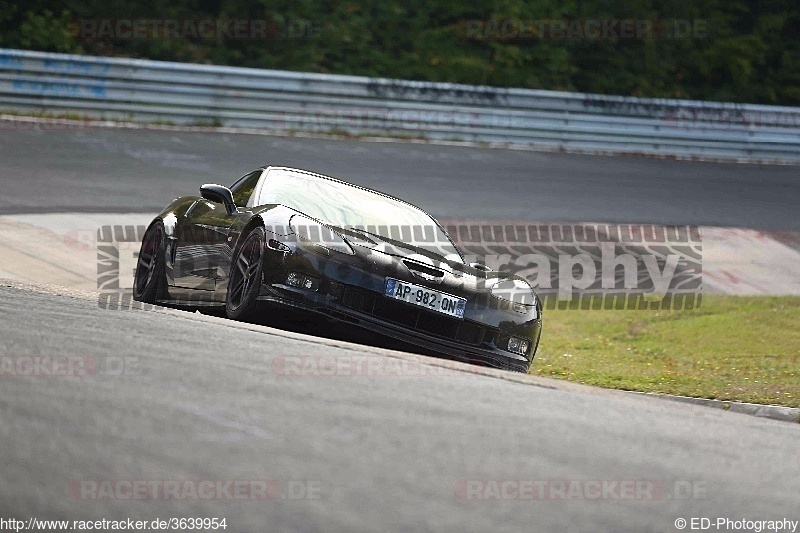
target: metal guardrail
<point>180,93</point>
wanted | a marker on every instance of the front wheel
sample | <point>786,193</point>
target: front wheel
<point>244,282</point>
<point>149,281</point>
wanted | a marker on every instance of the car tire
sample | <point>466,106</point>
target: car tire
<point>244,281</point>
<point>149,280</point>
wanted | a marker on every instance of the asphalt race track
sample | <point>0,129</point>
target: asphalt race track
<point>199,400</point>
<point>96,401</point>
<point>118,170</point>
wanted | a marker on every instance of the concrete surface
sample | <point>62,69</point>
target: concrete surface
<point>425,451</point>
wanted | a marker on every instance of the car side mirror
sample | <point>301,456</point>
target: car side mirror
<point>220,195</point>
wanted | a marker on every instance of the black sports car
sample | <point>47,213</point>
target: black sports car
<point>282,237</point>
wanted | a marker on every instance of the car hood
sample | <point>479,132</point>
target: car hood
<point>424,265</point>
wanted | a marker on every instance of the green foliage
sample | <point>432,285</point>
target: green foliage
<point>729,50</point>
<point>47,31</point>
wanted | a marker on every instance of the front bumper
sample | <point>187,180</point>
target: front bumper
<point>462,340</point>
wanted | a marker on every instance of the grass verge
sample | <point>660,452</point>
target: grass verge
<point>731,348</point>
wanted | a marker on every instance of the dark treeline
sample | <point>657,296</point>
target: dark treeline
<point>721,50</point>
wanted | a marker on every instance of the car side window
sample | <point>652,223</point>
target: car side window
<point>243,188</point>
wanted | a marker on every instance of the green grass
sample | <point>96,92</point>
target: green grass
<point>731,348</point>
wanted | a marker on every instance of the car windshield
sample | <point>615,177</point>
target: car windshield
<point>346,206</point>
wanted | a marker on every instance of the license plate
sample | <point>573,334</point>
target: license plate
<point>425,297</point>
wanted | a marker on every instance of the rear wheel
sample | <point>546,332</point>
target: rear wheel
<point>149,281</point>
<point>245,278</point>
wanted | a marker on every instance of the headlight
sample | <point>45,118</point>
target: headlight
<point>514,290</point>
<point>312,232</point>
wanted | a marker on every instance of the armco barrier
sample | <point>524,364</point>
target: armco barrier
<point>180,93</point>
